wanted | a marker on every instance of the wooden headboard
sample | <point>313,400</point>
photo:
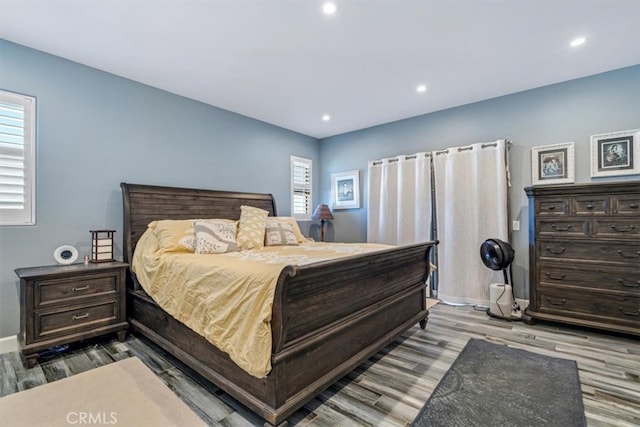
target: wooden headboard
<point>146,203</point>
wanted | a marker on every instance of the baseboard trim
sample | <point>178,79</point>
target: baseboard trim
<point>8,344</point>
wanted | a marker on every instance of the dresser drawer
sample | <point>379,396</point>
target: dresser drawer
<point>607,278</point>
<point>588,305</point>
<point>66,290</point>
<point>591,205</point>
<point>75,319</point>
<point>563,227</point>
<point>628,204</point>
<point>618,228</point>
<point>596,252</point>
<point>552,207</point>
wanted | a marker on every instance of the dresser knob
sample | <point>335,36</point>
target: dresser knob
<point>615,227</point>
<point>629,313</point>
<point>556,302</point>
<point>590,206</point>
<point>633,205</point>
<point>550,208</point>
<point>622,254</point>
<point>556,228</point>
<point>629,285</point>
<point>556,251</point>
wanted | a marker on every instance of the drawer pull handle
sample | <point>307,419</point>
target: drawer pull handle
<point>567,228</point>
<point>633,205</point>
<point>80,288</point>
<point>629,313</point>
<point>615,227</point>
<point>550,208</point>
<point>555,252</point>
<point>629,285</point>
<point>556,302</point>
<point>636,255</point>
<point>590,206</point>
<point>84,316</point>
<point>551,276</point>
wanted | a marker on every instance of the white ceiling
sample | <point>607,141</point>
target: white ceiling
<point>286,63</point>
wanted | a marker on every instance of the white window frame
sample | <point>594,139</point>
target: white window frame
<point>22,160</point>
<point>296,187</point>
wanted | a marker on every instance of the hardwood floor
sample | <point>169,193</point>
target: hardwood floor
<point>390,388</point>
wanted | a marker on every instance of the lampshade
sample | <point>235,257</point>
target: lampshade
<point>322,212</point>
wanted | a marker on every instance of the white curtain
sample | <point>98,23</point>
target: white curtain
<point>471,206</point>
<point>399,202</point>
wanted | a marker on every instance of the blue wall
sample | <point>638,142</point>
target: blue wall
<point>96,130</point>
<point>569,111</point>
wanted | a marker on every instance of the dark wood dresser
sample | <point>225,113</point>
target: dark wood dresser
<point>62,304</point>
<point>584,255</point>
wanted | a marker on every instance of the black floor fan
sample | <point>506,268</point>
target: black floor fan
<point>498,255</point>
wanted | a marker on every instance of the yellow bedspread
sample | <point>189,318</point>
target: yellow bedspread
<point>228,298</point>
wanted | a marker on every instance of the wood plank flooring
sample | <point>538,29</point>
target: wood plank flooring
<point>388,389</point>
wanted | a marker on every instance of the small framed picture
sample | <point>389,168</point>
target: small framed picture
<point>553,164</point>
<point>615,153</point>
<point>346,189</point>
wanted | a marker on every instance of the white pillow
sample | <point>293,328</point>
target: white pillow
<point>215,237</point>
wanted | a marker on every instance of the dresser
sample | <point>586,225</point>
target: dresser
<point>584,255</point>
<point>63,304</point>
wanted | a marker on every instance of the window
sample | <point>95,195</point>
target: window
<point>300,188</point>
<point>17,159</point>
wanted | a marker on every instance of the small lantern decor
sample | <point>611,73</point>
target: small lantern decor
<point>102,245</point>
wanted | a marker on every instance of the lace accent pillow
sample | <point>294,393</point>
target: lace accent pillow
<point>251,227</point>
<point>279,234</point>
<point>215,237</point>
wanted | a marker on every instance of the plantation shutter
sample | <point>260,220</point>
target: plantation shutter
<point>17,159</point>
<point>300,188</point>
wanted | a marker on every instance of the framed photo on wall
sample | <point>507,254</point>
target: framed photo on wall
<point>553,164</point>
<point>615,153</point>
<point>346,189</point>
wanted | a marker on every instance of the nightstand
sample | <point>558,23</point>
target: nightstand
<point>63,304</point>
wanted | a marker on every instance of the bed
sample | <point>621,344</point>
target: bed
<point>328,317</point>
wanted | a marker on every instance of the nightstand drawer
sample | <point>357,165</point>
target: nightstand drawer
<point>65,290</point>
<point>628,205</point>
<point>75,319</point>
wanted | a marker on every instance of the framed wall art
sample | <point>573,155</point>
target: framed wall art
<point>553,164</point>
<point>615,153</point>
<point>346,189</point>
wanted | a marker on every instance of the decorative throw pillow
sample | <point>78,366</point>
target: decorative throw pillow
<point>279,234</point>
<point>175,235</point>
<point>215,237</point>
<point>295,228</point>
<point>251,227</point>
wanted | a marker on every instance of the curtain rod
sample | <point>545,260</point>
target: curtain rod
<point>508,143</point>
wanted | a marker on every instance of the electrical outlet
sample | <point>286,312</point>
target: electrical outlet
<point>516,226</point>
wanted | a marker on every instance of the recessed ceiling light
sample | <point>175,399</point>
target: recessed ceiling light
<point>329,8</point>
<point>326,118</point>
<point>421,88</point>
<point>578,41</point>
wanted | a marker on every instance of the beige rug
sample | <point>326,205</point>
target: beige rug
<point>431,302</point>
<point>124,393</point>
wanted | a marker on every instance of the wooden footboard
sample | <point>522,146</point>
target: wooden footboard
<point>327,318</point>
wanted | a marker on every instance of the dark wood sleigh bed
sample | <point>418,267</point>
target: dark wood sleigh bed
<point>327,317</point>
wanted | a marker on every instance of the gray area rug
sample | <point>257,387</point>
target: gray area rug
<point>494,385</point>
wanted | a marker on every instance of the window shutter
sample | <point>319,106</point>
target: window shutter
<point>17,159</point>
<point>300,188</point>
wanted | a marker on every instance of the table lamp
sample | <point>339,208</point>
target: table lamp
<point>322,213</point>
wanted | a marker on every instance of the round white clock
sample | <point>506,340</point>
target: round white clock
<point>65,254</point>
